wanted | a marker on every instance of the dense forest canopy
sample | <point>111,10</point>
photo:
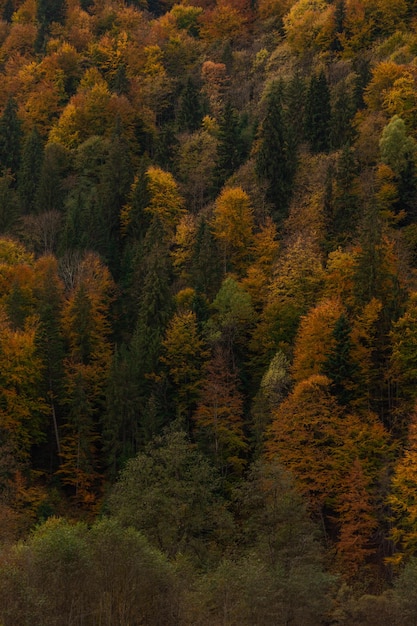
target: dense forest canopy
<point>208,312</point>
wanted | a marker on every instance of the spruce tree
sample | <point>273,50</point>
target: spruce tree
<point>341,130</point>
<point>318,114</point>
<point>116,181</point>
<point>230,148</point>
<point>48,11</point>
<point>8,11</point>
<point>294,101</point>
<point>339,366</point>
<point>10,138</point>
<point>190,112</point>
<point>276,157</point>
<point>51,193</point>
<point>30,171</point>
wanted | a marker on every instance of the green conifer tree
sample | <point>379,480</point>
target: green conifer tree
<point>339,366</point>
<point>30,171</point>
<point>276,157</point>
<point>190,112</point>
<point>10,138</point>
<point>318,113</point>
<point>230,148</point>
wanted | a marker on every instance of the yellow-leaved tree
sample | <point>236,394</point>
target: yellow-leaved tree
<point>233,226</point>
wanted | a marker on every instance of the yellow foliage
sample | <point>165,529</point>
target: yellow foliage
<point>222,22</point>
<point>26,13</point>
<point>184,243</point>
<point>384,76</point>
<point>309,25</point>
<point>402,499</point>
<point>233,226</point>
<point>165,199</point>
<point>339,276</point>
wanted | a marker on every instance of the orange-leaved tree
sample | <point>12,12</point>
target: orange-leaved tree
<point>218,420</point>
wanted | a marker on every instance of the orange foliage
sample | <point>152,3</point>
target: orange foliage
<point>318,443</point>
<point>357,521</point>
<point>218,418</point>
<point>223,22</point>
<point>215,80</point>
<point>315,338</point>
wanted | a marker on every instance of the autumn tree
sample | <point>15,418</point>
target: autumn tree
<point>316,339</point>
<point>233,226</point>
<point>309,26</point>
<point>402,498</point>
<point>165,201</point>
<point>293,290</point>
<point>218,419</point>
<point>311,419</point>
<point>358,522</point>
<point>183,354</point>
<point>23,408</point>
<point>264,254</point>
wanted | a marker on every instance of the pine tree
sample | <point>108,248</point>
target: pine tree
<point>294,100</point>
<point>345,200</point>
<point>153,276</point>
<point>49,293</point>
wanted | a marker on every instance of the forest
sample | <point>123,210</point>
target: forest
<point>208,313</point>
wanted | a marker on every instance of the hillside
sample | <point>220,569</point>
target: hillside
<point>208,312</point>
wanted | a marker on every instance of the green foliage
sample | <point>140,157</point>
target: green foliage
<point>105,574</point>
<point>318,113</point>
<point>29,172</point>
<point>231,149</point>
<point>276,158</point>
<point>171,494</point>
<point>275,575</point>
<point>10,138</point>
